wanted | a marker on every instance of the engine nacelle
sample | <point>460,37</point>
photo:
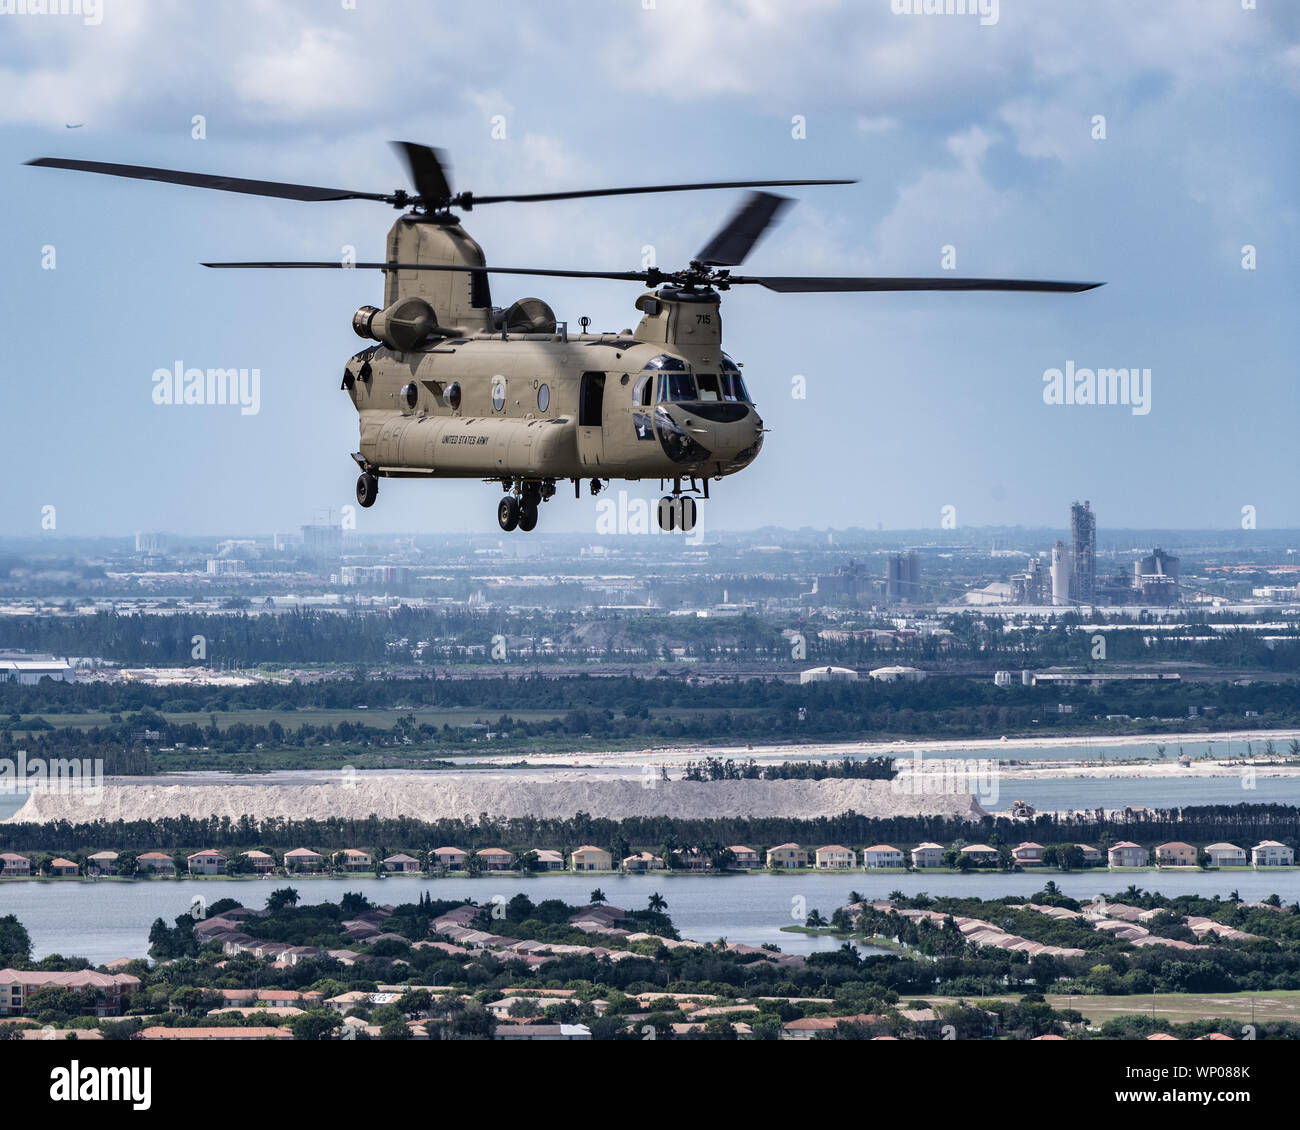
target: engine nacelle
<point>401,326</point>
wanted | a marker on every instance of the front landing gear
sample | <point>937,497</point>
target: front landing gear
<point>678,511</point>
<point>367,489</point>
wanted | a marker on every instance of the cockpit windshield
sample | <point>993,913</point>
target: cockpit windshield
<point>676,386</point>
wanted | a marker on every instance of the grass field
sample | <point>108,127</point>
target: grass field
<point>1177,1008</point>
<point>381,718</point>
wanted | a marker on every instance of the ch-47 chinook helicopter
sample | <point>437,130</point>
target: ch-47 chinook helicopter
<point>456,387</point>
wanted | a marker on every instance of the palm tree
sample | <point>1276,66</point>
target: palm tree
<point>815,920</point>
<point>658,904</point>
<point>596,896</point>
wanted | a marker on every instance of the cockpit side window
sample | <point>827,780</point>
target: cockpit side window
<point>733,388</point>
<point>643,390</point>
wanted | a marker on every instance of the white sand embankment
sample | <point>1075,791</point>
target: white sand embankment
<point>466,797</point>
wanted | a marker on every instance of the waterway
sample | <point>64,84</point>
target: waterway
<point>107,919</point>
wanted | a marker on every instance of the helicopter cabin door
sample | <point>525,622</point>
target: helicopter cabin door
<point>591,415</point>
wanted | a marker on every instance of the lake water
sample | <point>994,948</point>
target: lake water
<point>110,919</point>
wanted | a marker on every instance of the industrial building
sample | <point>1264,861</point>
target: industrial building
<point>1155,578</point>
<point>828,675</point>
<point>22,667</point>
<point>903,577</point>
<point>1060,573</point>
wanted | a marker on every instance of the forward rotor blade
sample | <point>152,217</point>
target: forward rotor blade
<point>467,200</point>
<point>815,284</point>
<point>428,172</point>
<point>736,238</point>
<point>272,188</point>
<point>627,276</point>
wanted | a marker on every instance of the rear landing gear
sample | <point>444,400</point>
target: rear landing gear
<point>367,489</point>
<point>518,510</point>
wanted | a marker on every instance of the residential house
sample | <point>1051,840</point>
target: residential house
<point>1091,856</point>
<point>1270,853</point>
<point>1127,854</point>
<point>354,860</point>
<point>980,853</point>
<point>451,858</point>
<point>106,989</point>
<point>588,858</point>
<point>1175,854</point>
<point>401,863</point>
<point>744,858</point>
<point>1028,854</point>
<point>548,859</point>
<point>692,859</point>
<point>102,863</point>
<point>14,866</point>
<point>209,862</point>
<point>880,856</point>
<point>785,857</point>
<point>642,861</point>
<point>927,855</point>
<point>1226,855</point>
<point>156,862</point>
<point>61,866</point>
<point>261,863</point>
<point>833,857</point>
<point>303,859</point>
<point>495,859</point>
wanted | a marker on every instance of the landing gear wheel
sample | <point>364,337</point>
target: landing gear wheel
<point>367,489</point>
<point>527,515</point>
<point>668,511</point>
<point>687,514</point>
<point>508,513</point>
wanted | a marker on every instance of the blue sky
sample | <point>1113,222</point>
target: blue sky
<point>978,137</point>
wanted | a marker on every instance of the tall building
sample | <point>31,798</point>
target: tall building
<point>322,542</point>
<point>1060,573</point>
<point>1083,574</point>
<point>903,576</point>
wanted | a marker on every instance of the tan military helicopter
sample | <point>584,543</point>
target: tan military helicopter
<point>456,387</point>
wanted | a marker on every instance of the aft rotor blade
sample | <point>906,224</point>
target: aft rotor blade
<point>627,276</point>
<point>277,189</point>
<point>467,200</point>
<point>428,172</point>
<point>736,238</point>
<point>815,284</point>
